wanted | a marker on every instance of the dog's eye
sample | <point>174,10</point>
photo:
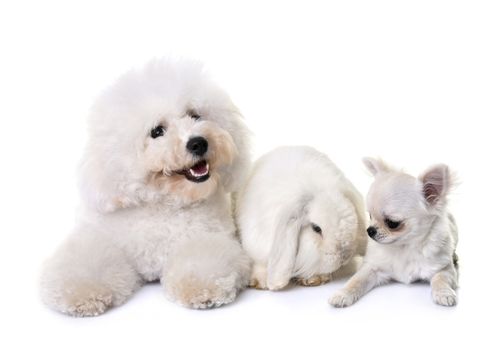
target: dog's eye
<point>392,224</point>
<point>157,131</point>
<point>195,116</point>
<point>316,228</point>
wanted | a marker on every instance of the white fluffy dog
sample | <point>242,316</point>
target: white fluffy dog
<point>413,235</point>
<point>166,147</point>
<point>299,217</point>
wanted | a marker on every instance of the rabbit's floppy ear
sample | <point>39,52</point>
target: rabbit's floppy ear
<point>285,245</point>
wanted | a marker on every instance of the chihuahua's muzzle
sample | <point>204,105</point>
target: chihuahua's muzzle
<point>371,231</point>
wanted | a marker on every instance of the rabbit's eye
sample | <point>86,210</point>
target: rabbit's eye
<point>392,224</point>
<point>316,228</point>
<point>157,131</point>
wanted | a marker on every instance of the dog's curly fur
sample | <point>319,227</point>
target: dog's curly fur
<point>143,219</point>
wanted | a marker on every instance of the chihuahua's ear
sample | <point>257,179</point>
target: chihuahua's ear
<point>436,183</point>
<point>375,166</point>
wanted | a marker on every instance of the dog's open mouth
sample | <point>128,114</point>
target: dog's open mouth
<point>197,173</point>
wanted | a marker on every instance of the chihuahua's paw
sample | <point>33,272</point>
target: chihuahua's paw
<point>445,297</point>
<point>342,299</point>
<point>314,280</point>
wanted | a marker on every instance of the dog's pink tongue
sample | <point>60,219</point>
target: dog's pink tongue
<point>200,168</point>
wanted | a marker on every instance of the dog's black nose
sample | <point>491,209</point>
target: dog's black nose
<point>197,145</point>
<point>371,231</point>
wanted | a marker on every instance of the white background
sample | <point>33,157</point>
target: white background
<point>414,82</point>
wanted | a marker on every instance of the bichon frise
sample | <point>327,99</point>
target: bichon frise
<point>299,217</point>
<point>413,235</point>
<point>166,147</point>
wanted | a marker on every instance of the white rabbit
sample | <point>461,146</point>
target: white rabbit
<point>299,217</point>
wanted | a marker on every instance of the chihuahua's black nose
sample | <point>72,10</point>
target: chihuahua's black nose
<point>371,231</point>
<point>197,146</point>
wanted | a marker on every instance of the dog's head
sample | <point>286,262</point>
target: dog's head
<point>401,206</point>
<point>164,131</point>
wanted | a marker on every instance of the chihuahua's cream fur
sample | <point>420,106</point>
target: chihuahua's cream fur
<point>413,235</point>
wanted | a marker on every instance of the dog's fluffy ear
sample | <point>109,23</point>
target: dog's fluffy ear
<point>109,184</point>
<point>436,183</point>
<point>236,173</point>
<point>375,166</point>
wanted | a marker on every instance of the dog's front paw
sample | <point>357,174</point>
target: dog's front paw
<point>90,306</point>
<point>445,297</point>
<point>314,280</point>
<point>342,299</point>
<point>81,300</point>
<point>202,294</point>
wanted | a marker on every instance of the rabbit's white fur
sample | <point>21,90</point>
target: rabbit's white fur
<point>142,218</point>
<point>290,189</point>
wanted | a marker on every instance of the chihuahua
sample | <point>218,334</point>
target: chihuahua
<point>414,237</point>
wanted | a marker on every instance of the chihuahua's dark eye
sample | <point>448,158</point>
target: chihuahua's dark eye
<point>157,131</point>
<point>316,228</point>
<point>392,224</point>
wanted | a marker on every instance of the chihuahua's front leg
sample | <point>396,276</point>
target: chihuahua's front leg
<point>362,282</point>
<point>443,284</point>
